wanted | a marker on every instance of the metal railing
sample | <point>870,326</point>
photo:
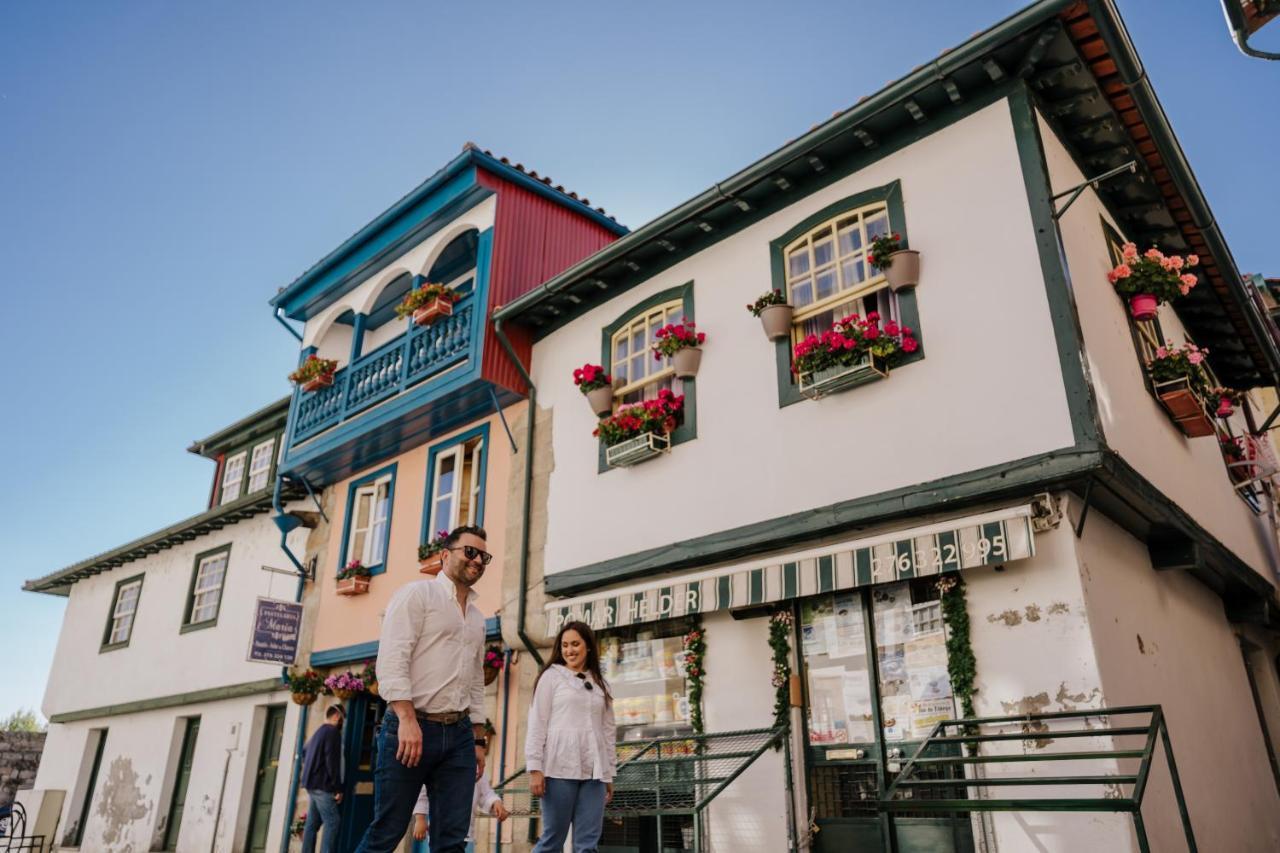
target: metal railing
<point>967,771</point>
<point>13,832</point>
<point>672,776</point>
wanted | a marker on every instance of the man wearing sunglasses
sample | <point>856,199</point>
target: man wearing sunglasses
<point>431,672</point>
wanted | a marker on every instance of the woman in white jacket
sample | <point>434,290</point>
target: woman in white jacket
<point>569,749</point>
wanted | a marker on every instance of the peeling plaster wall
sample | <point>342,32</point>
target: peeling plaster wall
<point>1162,637</point>
<point>129,808</point>
<point>1035,654</point>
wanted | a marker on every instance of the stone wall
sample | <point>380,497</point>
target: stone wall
<point>19,758</point>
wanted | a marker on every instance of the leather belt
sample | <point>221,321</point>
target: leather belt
<point>445,718</point>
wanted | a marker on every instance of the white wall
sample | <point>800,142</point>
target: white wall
<point>159,660</point>
<point>1162,637</point>
<point>131,796</point>
<point>989,390</point>
<point>1189,470</point>
<point>416,261</point>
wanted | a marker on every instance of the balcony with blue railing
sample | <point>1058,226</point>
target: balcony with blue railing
<point>420,354</point>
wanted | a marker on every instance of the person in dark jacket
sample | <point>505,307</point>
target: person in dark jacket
<point>322,777</point>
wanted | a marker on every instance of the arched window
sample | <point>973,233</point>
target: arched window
<point>638,375</point>
<point>456,265</point>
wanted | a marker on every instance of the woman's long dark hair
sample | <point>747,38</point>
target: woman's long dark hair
<point>593,657</point>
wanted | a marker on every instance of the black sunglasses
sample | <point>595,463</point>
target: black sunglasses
<point>473,553</point>
<point>582,676</point>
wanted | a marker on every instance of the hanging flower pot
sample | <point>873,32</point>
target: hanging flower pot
<point>901,267</point>
<point>1143,306</point>
<point>304,687</point>
<point>597,387</point>
<point>774,313</point>
<point>303,698</point>
<point>681,343</point>
<point>1225,409</point>
<point>344,685</point>
<point>686,362</point>
<point>427,304</point>
<point>903,271</point>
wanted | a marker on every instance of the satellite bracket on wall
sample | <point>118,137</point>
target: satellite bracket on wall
<point>1074,192</point>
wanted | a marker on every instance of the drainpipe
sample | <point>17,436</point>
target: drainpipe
<point>528,490</point>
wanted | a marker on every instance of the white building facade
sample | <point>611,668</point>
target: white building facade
<point>163,735</point>
<point>1108,559</point>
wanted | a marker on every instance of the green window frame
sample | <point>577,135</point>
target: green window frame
<point>182,779</point>
<point>688,430</point>
<point>110,633</point>
<point>354,491</point>
<point>890,195</point>
<point>203,593</point>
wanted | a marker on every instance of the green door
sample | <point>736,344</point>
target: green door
<point>179,800</point>
<point>93,783</point>
<point>264,784</point>
<point>364,713</point>
<point>875,673</point>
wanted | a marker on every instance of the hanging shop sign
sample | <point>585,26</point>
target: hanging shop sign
<point>989,539</point>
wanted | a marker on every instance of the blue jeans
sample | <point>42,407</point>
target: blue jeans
<point>575,802</point>
<point>323,809</point>
<point>448,769</point>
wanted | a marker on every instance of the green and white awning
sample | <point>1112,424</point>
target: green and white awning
<point>990,539</point>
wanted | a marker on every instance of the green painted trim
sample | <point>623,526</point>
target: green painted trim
<point>1081,403</point>
<point>1043,472</point>
<point>891,194</point>
<point>187,624</point>
<point>212,694</point>
<point>115,597</point>
<point>268,419</point>
<point>688,430</point>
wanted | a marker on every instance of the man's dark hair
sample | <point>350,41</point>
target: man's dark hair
<point>458,532</point>
<point>334,711</point>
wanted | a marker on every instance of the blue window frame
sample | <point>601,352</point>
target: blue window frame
<point>366,529</point>
<point>456,471</point>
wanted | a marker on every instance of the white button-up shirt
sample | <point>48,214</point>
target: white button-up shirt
<point>571,729</point>
<point>432,652</point>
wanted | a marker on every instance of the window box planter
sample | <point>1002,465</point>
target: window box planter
<point>432,564</point>
<point>319,382</point>
<point>353,586</point>
<point>633,451</point>
<point>1185,406</point>
<point>819,383</point>
<point>903,271</point>
<point>433,311</point>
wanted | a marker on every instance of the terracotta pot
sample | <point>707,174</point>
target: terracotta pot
<point>776,320</point>
<point>304,698</point>
<point>490,674</point>
<point>1143,306</point>
<point>904,269</point>
<point>322,381</point>
<point>686,362</point>
<point>601,401</point>
<point>353,586</point>
<point>432,311</point>
<point>433,564</point>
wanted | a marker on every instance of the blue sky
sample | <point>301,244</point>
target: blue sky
<point>164,168</point>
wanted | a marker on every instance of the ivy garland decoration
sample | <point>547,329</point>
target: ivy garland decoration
<point>962,666</point>
<point>695,646</point>
<point>780,642</point>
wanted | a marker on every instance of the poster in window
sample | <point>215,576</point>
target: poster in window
<point>814,616</point>
<point>929,650</point>
<point>828,719</point>
<point>930,682</point>
<point>637,661</point>
<point>929,713</point>
<point>897,716</point>
<point>893,671</point>
<point>857,703</point>
<point>847,637</point>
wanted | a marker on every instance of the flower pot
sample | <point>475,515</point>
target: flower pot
<point>322,381</point>
<point>1143,306</point>
<point>432,311</point>
<point>776,320</point>
<point>903,271</point>
<point>601,401</point>
<point>1184,405</point>
<point>686,362</point>
<point>371,688</point>
<point>353,586</point>
<point>1225,408</point>
<point>343,694</point>
<point>633,451</point>
<point>303,698</point>
<point>490,674</point>
<point>819,383</point>
<point>433,564</point>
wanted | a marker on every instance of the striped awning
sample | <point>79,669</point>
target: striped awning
<point>989,539</point>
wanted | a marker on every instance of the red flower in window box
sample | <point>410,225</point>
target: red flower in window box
<point>314,373</point>
<point>427,303</point>
<point>597,386</point>
<point>354,579</point>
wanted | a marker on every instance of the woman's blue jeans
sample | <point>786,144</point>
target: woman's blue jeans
<point>572,802</point>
